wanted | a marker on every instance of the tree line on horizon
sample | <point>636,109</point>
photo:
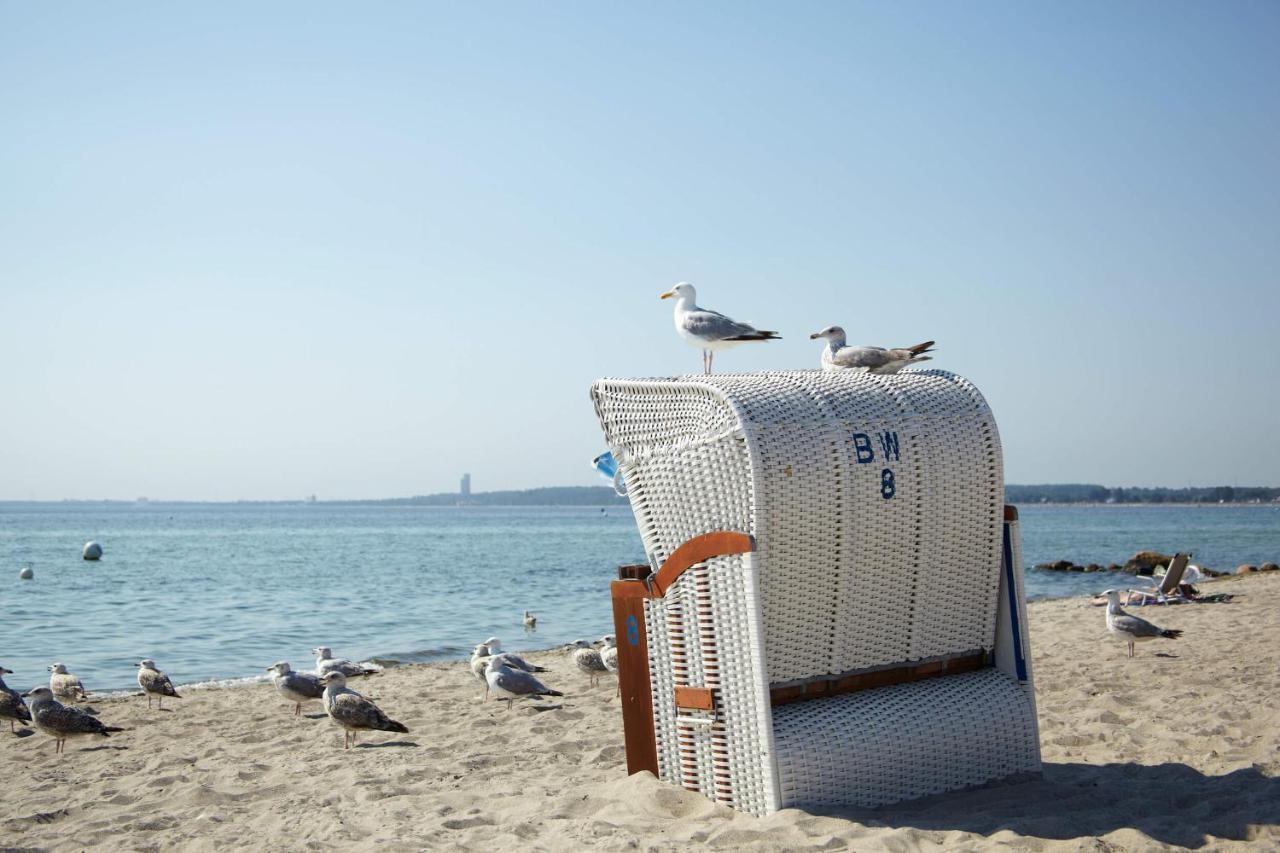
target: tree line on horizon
<point>1048,493</point>
<point>1072,493</point>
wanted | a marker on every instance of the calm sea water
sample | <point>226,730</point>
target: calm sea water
<point>219,592</point>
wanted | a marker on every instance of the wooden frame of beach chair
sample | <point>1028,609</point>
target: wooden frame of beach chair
<point>827,618</point>
<point>1167,590</point>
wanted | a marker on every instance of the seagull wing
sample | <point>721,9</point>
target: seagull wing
<point>1134,626</point>
<point>303,683</point>
<point>356,712</point>
<point>522,683</point>
<point>157,682</point>
<point>589,660</point>
<point>11,705</point>
<point>714,326</point>
<point>868,357</point>
<point>69,721</point>
<point>520,663</point>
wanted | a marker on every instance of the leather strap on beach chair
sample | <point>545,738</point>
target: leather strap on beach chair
<point>629,594</point>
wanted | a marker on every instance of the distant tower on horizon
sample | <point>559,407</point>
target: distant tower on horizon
<point>466,486</point>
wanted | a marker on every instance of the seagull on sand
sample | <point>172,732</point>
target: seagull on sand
<point>482,654</point>
<point>65,685</point>
<point>12,708</point>
<point>589,661</point>
<point>507,682</point>
<point>709,331</point>
<point>297,687</point>
<point>352,711</point>
<point>60,722</point>
<point>838,356</point>
<point>153,681</point>
<point>609,657</point>
<point>1132,629</point>
<point>326,662</point>
<point>480,658</point>
<point>530,621</point>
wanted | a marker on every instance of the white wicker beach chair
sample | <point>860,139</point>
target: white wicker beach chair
<point>833,611</point>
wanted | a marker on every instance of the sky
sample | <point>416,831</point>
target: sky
<point>262,251</point>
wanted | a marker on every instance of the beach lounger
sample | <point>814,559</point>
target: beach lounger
<point>832,613</point>
<point>1166,591</point>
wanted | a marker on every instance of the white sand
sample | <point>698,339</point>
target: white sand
<point>1176,747</point>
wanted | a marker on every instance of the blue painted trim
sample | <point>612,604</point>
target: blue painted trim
<point>1013,604</point>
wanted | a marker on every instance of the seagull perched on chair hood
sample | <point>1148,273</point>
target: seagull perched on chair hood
<point>154,682</point>
<point>1132,629</point>
<point>12,708</point>
<point>60,722</point>
<point>352,711</point>
<point>837,355</point>
<point>708,330</point>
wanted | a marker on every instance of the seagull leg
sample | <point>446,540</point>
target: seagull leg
<point>160,702</point>
<point>1131,648</point>
<point>297,709</point>
<point>346,739</point>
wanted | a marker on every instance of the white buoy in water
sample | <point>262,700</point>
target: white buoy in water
<point>26,574</point>
<point>92,551</point>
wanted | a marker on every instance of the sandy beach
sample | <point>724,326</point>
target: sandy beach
<point>1175,748</point>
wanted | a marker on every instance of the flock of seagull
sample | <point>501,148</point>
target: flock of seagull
<point>711,331</point>
<point>505,675</point>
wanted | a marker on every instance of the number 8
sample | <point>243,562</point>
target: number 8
<point>886,484</point>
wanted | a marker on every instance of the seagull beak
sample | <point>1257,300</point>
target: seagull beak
<point>815,336</point>
<point>668,294</point>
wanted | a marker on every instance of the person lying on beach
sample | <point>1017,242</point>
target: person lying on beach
<point>1186,593</point>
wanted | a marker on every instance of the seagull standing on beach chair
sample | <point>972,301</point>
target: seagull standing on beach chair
<point>838,355</point>
<point>710,331</point>
<point>1132,629</point>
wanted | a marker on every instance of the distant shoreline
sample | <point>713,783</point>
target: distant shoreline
<point>587,497</point>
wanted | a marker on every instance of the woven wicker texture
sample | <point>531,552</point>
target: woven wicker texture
<point>910,740</point>
<point>875,503</point>
<point>702,634</point>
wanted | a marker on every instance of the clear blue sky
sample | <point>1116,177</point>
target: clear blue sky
<point>265,250</point>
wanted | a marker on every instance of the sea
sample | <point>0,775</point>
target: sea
<point>217,592</point>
